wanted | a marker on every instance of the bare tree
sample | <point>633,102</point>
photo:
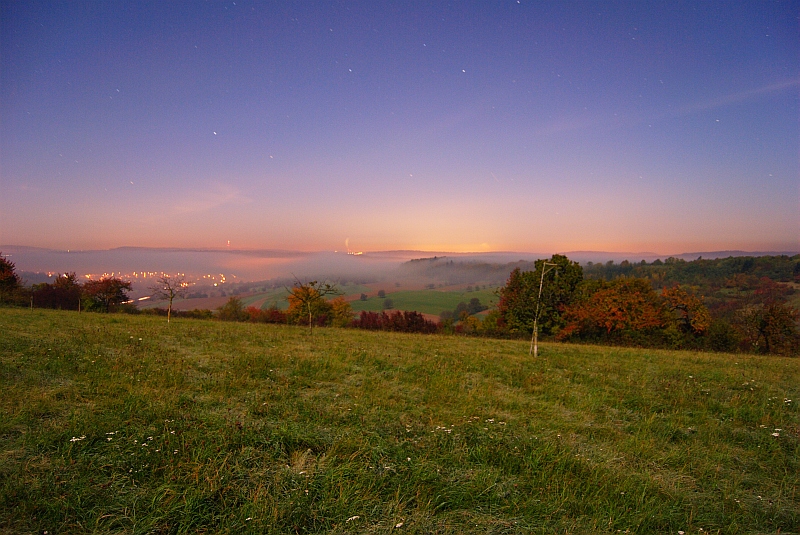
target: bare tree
<point>169,288</point>
<point>546,266</point>
<point>309,297</point>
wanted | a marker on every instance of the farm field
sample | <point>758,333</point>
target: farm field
<point>127,424</point>
<point>432,302</point>
<point>259,299</point>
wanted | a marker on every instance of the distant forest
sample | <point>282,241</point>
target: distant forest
<point>702,273</point>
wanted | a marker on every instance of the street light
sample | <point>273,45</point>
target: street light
<point>546,266</point>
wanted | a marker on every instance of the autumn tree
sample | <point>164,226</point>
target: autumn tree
<point>169,288</point>
<point>769,328</point>
<point>687,310</point>
<point>341,312</point>
<point>308,300</point>
<point>626,307</point>
<point>106,293</point>
<point>9,280</point>
<point>559,277</point>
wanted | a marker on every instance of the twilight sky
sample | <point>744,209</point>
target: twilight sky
<point>451,126</point>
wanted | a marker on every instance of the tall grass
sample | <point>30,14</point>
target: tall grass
<point>127,424</point>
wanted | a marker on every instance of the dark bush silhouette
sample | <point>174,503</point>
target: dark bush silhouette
<point>406,322</point>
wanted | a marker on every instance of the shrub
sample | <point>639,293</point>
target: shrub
<point>407,322</point>
<point>271,315</point>
<point>233,310</point>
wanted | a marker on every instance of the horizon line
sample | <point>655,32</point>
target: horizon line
<point>299,252</point>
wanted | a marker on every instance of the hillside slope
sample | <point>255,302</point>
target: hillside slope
<point>117,423</point>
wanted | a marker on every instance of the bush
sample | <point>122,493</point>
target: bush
<point>271,315</point>
<point>233,310</point>
<point>195,313</point>
<point>722,337</point>
<point>406,322</point>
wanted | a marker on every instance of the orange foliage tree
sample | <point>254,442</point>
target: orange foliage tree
<point>307,301</point>
<point>688,310</point>
<point>615,309</point>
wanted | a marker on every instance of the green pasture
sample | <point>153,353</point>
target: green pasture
<point>127,424</point>
<point>425,301</point>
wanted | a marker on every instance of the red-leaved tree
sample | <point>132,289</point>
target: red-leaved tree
<point>104,294</point>
<point>620,308</point>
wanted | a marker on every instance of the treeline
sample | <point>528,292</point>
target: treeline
<point>66,292</point>
<point>702,273</point>
<point>326,313</point>
<point>719,305</point>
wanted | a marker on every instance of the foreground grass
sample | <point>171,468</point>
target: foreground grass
<point>128,424</point>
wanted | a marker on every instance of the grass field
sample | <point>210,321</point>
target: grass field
<point>127,424</point>
<point>425,301</point>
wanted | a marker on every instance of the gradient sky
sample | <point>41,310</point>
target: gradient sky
<point>452,126</point>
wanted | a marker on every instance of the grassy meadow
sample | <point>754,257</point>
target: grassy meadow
<point>425,301</point>
<point>127,424</point>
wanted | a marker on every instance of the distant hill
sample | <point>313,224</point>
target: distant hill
<point>266,264</point>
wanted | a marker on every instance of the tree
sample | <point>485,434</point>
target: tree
<point>168,288</point>
<point>63,294</point>
<point>233,310</point>
<point>770,328</point>
<point>519,298</point>
<point>106,293</point>
<point>388,304</point>
<point>309,298</point>
<point>688,310</point>
<point>341,312</point>
<point>9,280</point>
<point>381,294</point>
<point>616,309</point>
<point>474,306</point>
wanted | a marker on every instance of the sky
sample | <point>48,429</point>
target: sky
<point>377,125</point>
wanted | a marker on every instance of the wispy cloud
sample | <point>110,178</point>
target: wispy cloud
<point>577,123</point>
<point>735,98</point>
<point>209,197</point>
